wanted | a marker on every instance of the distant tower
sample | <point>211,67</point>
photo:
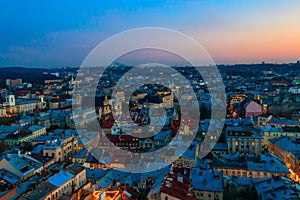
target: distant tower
<point>106,106</point>
<point>72,82</point>
<point>10,98</point>
<point>117,107</point>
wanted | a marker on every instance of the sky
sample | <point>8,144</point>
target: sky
<point>61,33</point>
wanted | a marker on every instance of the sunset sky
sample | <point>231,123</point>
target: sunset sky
<point>55,34</point>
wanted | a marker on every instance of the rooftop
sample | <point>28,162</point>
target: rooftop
<point>60,178</point>
<point>75,168</point>
<point>207,180</point>
<point>40,191</point>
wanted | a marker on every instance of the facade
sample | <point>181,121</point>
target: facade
<point>44,119</point>
<point>262,166</point>
<point>61,149</point>
<point>66,182</point>
<point>10,100</point>
<point>15,135</point>
<point>28,106</point>
<point>14,106</point>
<point>12,109</point>
<point>288,149</point>
<point>270,132</point>
<point>244,140</point>
<point>2,111</point>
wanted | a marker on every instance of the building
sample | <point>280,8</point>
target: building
<point>262,120</point>
<point>21,165</point>
<point>15,135</point>
<point>2,111</point>
<point>253,109</point>
<point>220,148</point>
<point>239,187</point>
<point>272,121</point>
<point>255,166</point>
<point>270,132</point>
<point>44,119</point>
<point>236,98</point>
<point>8,183</point>
<point>61,149</point>
<point>25,121</point>
<point>28,106</point>
<point>244,139</point>
<point>207,184</point>
<point>277,188</point>
<point>288,149</point>
<point>188,158</point>
<point>261,188</point>
<point>11,104</point>
<point>66,182</point>
<point>177,185</point>
<point>80,157</point>
<point>13,82</point>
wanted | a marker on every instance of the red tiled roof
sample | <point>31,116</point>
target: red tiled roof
<point>173,187</point>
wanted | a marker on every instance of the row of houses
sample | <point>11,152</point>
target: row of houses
<point>15,135</point>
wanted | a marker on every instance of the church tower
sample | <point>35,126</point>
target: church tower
<point>10,99</point>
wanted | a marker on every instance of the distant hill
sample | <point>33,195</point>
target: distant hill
<point>32,75</point>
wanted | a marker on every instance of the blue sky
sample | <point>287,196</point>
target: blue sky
<point>61,33</point>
